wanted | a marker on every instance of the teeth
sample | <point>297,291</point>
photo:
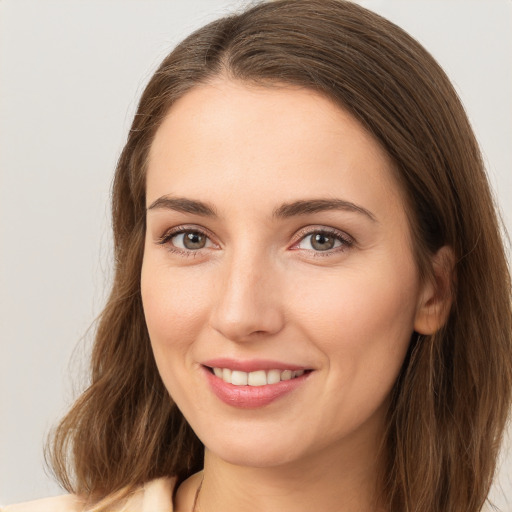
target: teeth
<point>239,378</point>
<point>286,375</point>
<point>257,378</point>
<point>273,376</point>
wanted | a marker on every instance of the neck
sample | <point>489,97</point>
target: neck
<point>328,482</point>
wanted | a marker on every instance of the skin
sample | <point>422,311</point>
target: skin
<point>260,289</point>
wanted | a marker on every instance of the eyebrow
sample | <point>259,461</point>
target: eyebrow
<point>285,211</point>
<point>307,207</point>
<point>184,205</point>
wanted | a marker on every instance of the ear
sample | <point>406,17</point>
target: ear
<point>437,293</point>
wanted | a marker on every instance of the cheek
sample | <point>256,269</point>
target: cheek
<point>362,320</point>
<point>174,308</point>
<point>362,324</point>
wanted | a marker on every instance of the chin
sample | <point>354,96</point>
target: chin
<point>252,450</point>
<point>254,457</point>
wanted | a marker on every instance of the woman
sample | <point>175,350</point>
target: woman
<point>302,313</point>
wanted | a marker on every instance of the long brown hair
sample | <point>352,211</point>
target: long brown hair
<point>450,404</point>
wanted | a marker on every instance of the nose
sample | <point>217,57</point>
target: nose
<point>247,305</point>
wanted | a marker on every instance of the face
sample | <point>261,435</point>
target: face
<point>278,282</point>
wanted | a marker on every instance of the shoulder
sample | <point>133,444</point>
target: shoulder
<point>66,503</point>
<point>153,496</point>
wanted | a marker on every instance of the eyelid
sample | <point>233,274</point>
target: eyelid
<point>347,240</point>
<point>176,230</point>
<point>323,229</point>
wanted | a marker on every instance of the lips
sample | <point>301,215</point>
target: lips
<point>252,384</point>
<point>256,378</point>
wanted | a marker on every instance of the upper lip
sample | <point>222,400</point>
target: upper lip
<point>251,365</point>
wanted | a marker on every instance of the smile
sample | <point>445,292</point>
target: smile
<point>248,386</point>
<point>255,378</point>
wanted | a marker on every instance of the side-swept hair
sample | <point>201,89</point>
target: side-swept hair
<point>450,404</point>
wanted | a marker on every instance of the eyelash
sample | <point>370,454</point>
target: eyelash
<point>346,241</point>
<point>165,239</point>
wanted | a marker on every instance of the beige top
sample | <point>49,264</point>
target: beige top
<point>154,496</point>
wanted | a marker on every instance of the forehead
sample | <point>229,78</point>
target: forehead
<point>233,141</point>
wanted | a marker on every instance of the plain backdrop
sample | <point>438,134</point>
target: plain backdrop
<point>71,73</point>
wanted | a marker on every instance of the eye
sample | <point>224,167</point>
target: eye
<point>323,240</point>
<point>191,240</point>
<point>185,240</point>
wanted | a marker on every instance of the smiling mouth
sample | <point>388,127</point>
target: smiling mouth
<point>256,378</point>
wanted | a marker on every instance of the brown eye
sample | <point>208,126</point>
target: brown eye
<point>328,242</point>
<point>322,241</point>
<point>190,240</point>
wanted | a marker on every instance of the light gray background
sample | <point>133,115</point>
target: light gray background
<point>70,75</point>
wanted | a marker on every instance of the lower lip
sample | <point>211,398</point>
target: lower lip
<point>251,397</point>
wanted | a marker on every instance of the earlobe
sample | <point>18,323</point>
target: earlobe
<point>437,294</point>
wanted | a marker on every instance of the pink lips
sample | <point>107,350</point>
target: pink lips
<point>249,397</point>
<point>250,366</point>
